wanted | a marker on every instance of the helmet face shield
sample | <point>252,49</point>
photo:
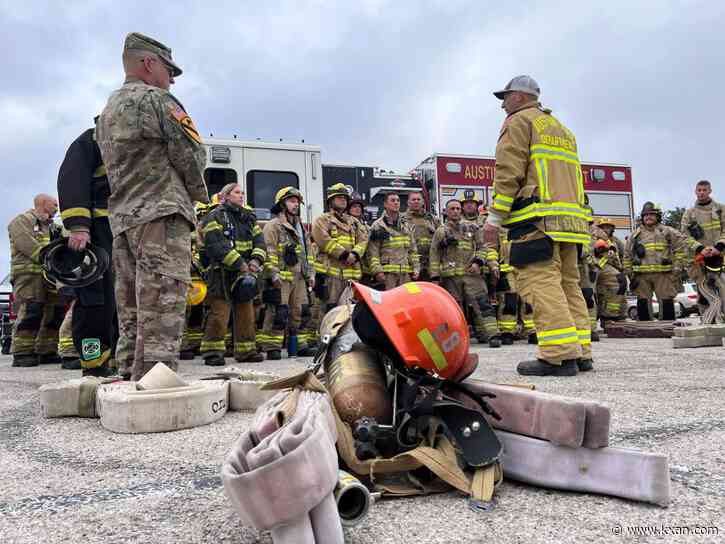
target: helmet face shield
<point>68,268</point>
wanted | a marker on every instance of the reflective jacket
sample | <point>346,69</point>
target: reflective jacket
<point>654,249</point>
<point>232,237</point>
<point>288,254</point>
<point>538,177</point>
<point>709,219</point>
<point>83,184</point>
<point>28,233</point>
<point>423,226</point>
<point>454,247</point>
<point>336,237</point>
<point>391,247</point>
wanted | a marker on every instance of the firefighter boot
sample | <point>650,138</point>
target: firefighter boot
<point>254,357</point>
<point>539,367</point>
<point>214,359</point>
<point>274,355</point>
<point>494,342</point>
<point>585,365</point>
<point>667,313</point>
<point>595,336</point>
<point>70,363</point>
<point>643,310</point>
<point>507,339</point>
<point>186,355</point>
<point>25,360</point>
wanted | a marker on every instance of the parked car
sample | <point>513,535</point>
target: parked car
<point>632,307</point>
<point>7,315</point>
<point>688,299</point>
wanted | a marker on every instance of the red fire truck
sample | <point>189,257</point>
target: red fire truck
<point>446,176</point>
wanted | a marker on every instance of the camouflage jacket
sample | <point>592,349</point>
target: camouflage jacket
<point>392,247</point>
<point>28,233</point>
<point>153,156</point>
<point>288,255</point>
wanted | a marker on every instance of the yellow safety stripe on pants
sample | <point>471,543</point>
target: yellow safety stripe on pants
<point>98,361</point>
<point>507,325</point>
<point>431,347</point>
<point>213,345</point>
<point>529,323</point>
<point>614,306</point>
<point>65,342</point>
<point>502,202</point>
<point>243,347</point>
<point>492,255</point>
<point>503,267</point>
<point>75,212</point>
<point>585,336</point>
<point>649,268</point>
<point>193,335</point>
<point>567,335</point>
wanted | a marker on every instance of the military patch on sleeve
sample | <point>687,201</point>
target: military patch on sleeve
<point>187,125</point>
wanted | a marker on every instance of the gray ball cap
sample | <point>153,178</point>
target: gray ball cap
<point>525,84</point>
<point>136,40</point>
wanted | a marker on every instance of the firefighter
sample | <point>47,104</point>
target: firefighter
<point>234,246</point>
<point>604,229</point>
<point>538,195</point>
<point>40,311</point>
<point>423,225</point>
<point>457,260</point>
<point>392,251</point>
<point>356,209</point>
<point>83,192</point>
<point>341,240</point>
<point>653,259</point>
<point>70,359</point>
<point>704,228</point>
<point>514,316</point>
<point>611,283</point>
<point>588,276</point>
<point>288,275</point>
<point>470,205</point>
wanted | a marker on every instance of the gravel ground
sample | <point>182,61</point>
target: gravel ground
<point>70,480</point>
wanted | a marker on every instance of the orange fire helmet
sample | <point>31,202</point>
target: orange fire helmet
<point>424,324</point>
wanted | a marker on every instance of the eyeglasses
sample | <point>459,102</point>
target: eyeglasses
<point>166,66</point>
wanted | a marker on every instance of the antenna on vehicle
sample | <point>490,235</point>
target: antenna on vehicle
<point>235,136</point>
<point>211,135</point>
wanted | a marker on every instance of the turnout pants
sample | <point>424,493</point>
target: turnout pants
<point>470,290</point>
<point>560,313</point>
<point>287,316</point>
<point>152,263</point>
<point>94,322</point>
<point>611,305</point>
<point>40,314</point>
<point>66,348</point>
<point>193,328</point>
<point>243,328</point>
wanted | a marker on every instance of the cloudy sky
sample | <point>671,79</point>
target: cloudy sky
<point>379,82</point>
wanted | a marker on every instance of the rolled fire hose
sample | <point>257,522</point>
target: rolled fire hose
<point>714,294</point>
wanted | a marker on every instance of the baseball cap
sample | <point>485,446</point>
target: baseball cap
<point>525,84</point>
<point>136,40</point>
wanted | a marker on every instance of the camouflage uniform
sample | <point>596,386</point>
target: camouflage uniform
<point>155,162</point>
<point>232,238</point>
<point>337,236</point>
<point>423,226</point>
<point>40,311</point>
<point>287,261</point>
<point>392,251</point>
<point>455,246</point>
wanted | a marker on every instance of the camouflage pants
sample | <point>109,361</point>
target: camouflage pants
<point>40,314</point>
<point>287,316</point>
<point>470,291</point>
<point>152,263</point>
<point>66,348</point>
<point>217,321</point>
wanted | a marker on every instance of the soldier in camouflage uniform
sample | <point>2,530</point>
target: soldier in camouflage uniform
<point>393,255</point>
<point>234,245</point>
<point>288,275</point>
<point>341,241</point>
<point>40,311</point>
<point>423,225</point>
<point>155,161</point>
<point>458,256</point>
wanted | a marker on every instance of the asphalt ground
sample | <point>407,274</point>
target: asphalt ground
<point>70,480</point>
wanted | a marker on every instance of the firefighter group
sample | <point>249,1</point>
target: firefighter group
<point>150,269</point>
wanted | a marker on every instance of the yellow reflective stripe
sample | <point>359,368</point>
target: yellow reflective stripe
<point>256,231</point>
<point>98,361</point>
<point>100,212</point>
<point>259,253</point>
<point>213,345</point>
<point>100,171</point>
<point>245,346</point>
<point>585,336</point>
<point>554,150</point>
<point>210,226</point>
<point>571,237</point>
<point>230,258</point>
<point>644,268</point>
<point>243,245</point>
<point>506,267</point>
<point>397,268</point>
<point>432,348</point>
<point>579,184</point>
<point>286,275</point>
<point>566,335</point>
<point>75,212</point>
<point>502,202</point>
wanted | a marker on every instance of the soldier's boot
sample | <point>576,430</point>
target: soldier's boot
<point>668,309</point>
<point>643,310</point>
<point>70,363</point>
<point>539,367</point>
<point>25,360</point>
<point>507,339</point>
<point>584,365</point>
<point>274,355</point>
<point>214,359</point>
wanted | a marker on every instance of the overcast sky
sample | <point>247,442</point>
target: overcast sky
<point>378,82</point>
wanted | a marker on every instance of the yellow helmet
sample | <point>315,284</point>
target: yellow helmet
<point>338,189</point>
<point>282,194</point>
<point>605,221</point>
<point>196,293</point>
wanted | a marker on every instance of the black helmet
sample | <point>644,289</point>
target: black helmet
<point>65,267</point>
<point>650,207</point>
<point>469,195</point>
<point>356,198</point>
<point>244,288</point>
